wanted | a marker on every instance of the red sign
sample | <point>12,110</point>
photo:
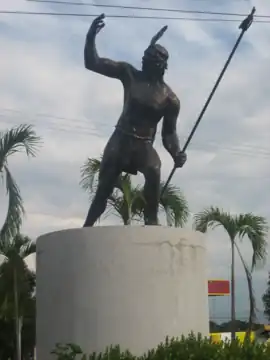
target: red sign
<point>218,287</point>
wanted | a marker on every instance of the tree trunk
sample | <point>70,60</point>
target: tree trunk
<point>126,219</point>
<point>233,292</point>
<point>251,307</point>
<point>126,215</point>
<point>252,302</point>
<point>17,318</point>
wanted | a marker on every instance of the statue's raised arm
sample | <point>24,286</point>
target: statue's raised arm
<point>92,61</point>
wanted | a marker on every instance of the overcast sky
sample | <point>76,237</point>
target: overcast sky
<point>43,82</point>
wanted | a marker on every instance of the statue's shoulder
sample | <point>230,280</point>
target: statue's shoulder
<point>129,67</point>
<point>128,72</point>
<point>172,97</point>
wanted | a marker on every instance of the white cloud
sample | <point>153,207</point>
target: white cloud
<point>43,81</point>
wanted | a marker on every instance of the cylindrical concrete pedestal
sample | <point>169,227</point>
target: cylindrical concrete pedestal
<point>131,286</point>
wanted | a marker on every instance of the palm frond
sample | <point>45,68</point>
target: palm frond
<point>89,174</point>
<point>15,211</point>
<point>26,281</point>
<point>31,280</point>
<point>123,182</point>
<point>23,245</point>
<point>175,206</point>
<point>119,207</point>
<point>133,197</point>
<point>22,137</point>
<point>213,217</point>
<point>138,203</point>
<point>106,213</point>
<point>127,203</point>
<point>256,230</point>
<point>28,249</point>
<point>128,198</point>
<point>126,189</point>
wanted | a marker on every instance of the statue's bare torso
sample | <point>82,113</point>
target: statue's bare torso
<point>145,102</point>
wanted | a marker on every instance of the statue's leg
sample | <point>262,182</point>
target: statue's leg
<point>107,181</point>
<point>151,170</point>
<point>109,172</point>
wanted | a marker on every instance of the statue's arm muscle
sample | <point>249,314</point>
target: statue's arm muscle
<point>113,69</point>
<point>169,134</point>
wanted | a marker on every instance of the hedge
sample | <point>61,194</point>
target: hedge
<point>189,348</point>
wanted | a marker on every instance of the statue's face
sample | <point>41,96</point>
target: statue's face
<point>155,60</point>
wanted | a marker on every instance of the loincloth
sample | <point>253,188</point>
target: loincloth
<point>135,148</point>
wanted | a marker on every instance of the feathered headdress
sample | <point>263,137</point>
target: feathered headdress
<point>155,51</point>
<point>158,35</point>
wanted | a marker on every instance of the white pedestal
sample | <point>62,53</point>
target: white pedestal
<point>131,286</point>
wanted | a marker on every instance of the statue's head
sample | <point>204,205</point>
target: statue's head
<point>155,59</point>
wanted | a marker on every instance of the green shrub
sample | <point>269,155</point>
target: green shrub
<point>189,348</point>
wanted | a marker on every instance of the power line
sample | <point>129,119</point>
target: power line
<point>242,150</point>
<point>17,12</point>
<point>9,12</point>
<point>184,11</point>
<point>54,129</point>
<point>85,121</point>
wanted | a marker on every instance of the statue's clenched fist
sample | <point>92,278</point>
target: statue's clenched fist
<point>180,159</point>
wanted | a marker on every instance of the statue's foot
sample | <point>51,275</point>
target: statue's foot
<point>87,224</point>
<point>151,223</point>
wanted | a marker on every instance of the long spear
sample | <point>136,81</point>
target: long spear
<point>244,27</point>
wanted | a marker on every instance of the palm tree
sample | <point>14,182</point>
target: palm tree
<point>17,139</point>
<point>254,228</point>
<point>128,202</point>
<point>17,282</point>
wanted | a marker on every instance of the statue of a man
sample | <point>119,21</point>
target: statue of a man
<point>147,99</point>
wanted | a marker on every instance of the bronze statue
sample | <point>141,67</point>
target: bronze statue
<point>147,99</point>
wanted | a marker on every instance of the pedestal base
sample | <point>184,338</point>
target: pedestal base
<point>131,286</point>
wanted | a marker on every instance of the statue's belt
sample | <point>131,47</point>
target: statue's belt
<point>134,135</point>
